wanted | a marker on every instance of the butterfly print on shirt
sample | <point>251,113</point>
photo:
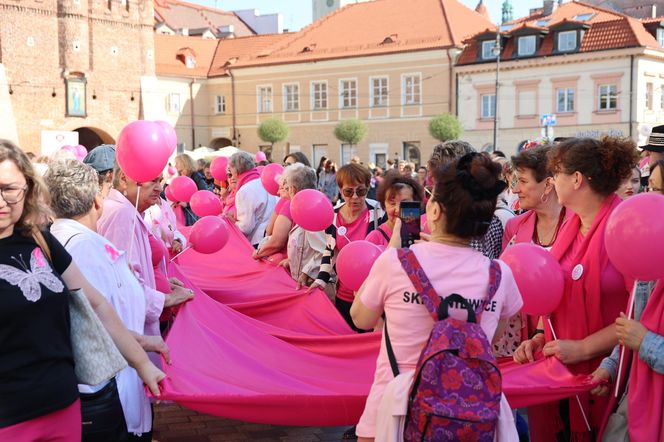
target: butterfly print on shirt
<point>29,278</point>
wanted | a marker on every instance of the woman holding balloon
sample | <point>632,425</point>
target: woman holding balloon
<point>581,330</point>
<point>276,234</point>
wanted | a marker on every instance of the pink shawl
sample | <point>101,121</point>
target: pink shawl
<point>250,175</point>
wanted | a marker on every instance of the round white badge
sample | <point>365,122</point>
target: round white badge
<point>577,272</point>
<point>341,230</point>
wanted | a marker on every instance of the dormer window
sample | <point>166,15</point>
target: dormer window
<point>660,37</point>
<point>567,41</point>
<point>488,50</point>
<point>583,17</point>
<point>527,45</point>
<point>190,62</point>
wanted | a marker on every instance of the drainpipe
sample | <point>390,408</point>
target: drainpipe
<point>632,101</point>
<point>234,133</point>
<point>191,107</point>
<point>449,86</point>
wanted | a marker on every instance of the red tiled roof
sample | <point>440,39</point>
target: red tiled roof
<point>168,47</point>
<point>606,30</point>
<point>178,14</point>
<point>362,29</point>
<point>236,51</point>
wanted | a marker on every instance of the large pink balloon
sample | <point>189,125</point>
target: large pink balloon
<point>355,261</point>
<point>219,168</point>
<point>260,156</point>
<point>169,133</point>
<point>311,210</point>
<point>142,150</point>
<point>169,194</point>
<point>183,188</point>
<point>270,177</point>
<point>81,152</point>
<point>205,203</point>
<point>538,275</point>
<point>634,236</point>
<point>209,234</point>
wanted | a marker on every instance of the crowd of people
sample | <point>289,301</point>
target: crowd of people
<point>114,238</point>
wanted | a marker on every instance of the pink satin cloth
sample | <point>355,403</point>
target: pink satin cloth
<point>258,350</point>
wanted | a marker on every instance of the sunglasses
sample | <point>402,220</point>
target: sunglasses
<point>349,192</point>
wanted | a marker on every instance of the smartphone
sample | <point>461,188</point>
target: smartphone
<point>409,212</point>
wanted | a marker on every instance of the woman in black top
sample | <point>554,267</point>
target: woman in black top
<point>37,377</point>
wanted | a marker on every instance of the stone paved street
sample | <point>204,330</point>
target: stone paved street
<point>174,423</point>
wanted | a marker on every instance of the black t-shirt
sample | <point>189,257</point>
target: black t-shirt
<point>36,363</point>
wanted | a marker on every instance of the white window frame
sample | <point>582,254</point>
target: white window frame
<point>352,148</point>
<point>487,50</point>
<point>291,100</point>
<point>173,103</point>
<point>650,95</point>
<point>319,99</point>
<point>219,104</point>
<point>264,103</point>
<point>562,35</point>
<point>529,40</point>
<point>491,98</point>
<point>411,97</point>
<point>348,93</point>
<point>568,94</point>
<point>660,37</point>
<point>604,98</point>
<point>384,101</point>
<point>189,61</point>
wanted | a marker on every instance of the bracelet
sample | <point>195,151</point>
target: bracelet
<point>537,332</point>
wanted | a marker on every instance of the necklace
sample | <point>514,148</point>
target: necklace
<point>536,238</point>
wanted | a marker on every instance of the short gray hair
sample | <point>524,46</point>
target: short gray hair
<point>448,152</point>
<point>242,162</point>
<point>300,176</point>
<point>73,187</point>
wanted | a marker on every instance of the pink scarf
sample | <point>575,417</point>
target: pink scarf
<point>583,310</point>
<point>646,387</point>
<point>250,175</point>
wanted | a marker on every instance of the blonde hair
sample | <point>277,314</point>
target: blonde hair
<point>187,163</point>
<point>36,211</point>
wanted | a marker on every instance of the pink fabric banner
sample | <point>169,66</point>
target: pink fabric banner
<point>259,351</point>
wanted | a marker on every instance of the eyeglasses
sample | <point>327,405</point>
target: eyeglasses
<point>13,195</point>
<point>349,192</point>
<point>648,189</point>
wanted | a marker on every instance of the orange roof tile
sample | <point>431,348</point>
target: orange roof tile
<point>606,29</point>
<point>168,47</point>
<point>236,51</point>
<point>178,14</point>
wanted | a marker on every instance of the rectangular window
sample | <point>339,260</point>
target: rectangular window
<point>660,37</point>
<point>661,98</point>
<point>174,103</point>
<point>608,97</point>
<point>291,97</point>
<point>379,92</point>
<point>348,93</point>
<point>650,90</point>
<point>220,104</point>
<point>412,89</point>
<point>527,45</point>
<point>264,95</point>
<point>348,151</point>
<point>488,106</point>
<point>487,50</point>
<point>566,41</point>
<point>565,100</point>
<point>318,95</point>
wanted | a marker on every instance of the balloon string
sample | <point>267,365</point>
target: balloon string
<point>622,347</point>
<point>185,249</point>
<point>133,223</point>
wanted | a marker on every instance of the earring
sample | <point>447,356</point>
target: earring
<point>544,198</point>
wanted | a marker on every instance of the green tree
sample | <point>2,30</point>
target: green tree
<point>273,131</point>
<point>350,131</point>
<point>445,127</point>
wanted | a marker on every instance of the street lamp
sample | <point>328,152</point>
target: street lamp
<point>496,52</point>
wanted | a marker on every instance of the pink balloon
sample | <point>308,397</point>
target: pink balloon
<point>209,234</point>
<point>219,168</point>
<point>205,203</point>
<point>81,152</point>
<point>260,156</point>
<point>142,150</point>
<point>355,261</point>
<point>311,210</point>
<point>169,194</point>
<point>634,236</point>
<point>183,188</point>
<point>169,133</point>
<point>538,275</point>
<point>269,177</point>
<point>172,170</point>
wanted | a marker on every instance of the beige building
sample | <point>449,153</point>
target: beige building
<point>394,74</point>
<point>597,71</point>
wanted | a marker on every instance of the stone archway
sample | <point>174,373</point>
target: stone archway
<point>218,143</point>
<point>91,137</point>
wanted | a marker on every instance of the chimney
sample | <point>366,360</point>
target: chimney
<point>654,11</point>
<point>185,31</point>
<point>548,7</point>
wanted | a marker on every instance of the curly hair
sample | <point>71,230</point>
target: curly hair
<point>448,152</point>
<point>36,211</point>
<point>605,163</point>
<point>393,182</point>
<point>533,159</point>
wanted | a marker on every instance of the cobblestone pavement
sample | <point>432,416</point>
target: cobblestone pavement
<point>174,423</point>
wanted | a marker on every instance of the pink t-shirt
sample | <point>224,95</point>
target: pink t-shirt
<point>355,231</point>
<point>450,269</point>
<point>378,238</point>
<point>283,208</point>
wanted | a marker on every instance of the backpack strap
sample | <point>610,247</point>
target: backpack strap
<point>390,351</point>
<point>382,232</point>
<point>495,275</point>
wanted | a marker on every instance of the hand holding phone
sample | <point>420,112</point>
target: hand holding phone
<point>409,212</point>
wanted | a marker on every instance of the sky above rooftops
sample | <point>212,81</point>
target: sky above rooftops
<point>297,13</point>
